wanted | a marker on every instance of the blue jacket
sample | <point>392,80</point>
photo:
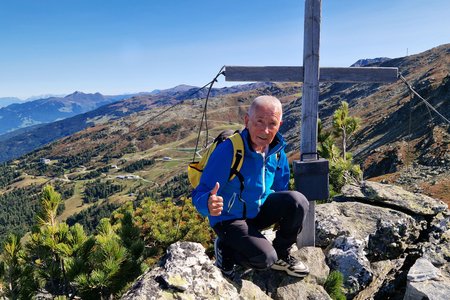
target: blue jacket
<point>262,176</point>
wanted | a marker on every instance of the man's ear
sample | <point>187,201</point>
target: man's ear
<point>281,123</point>
<point>246,119</point>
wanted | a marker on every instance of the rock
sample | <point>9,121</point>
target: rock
<point>186,272</point>
<point>347,256</point>
<point>315,259</point>
<point>302,290</point>
<point>392,238</point>
<point>249,290</point>
<point>380,270</point>
<point>441,222</point>
<point>353,219</point>
<point>435,290</point>
<point>437,250</point>
<point>374,242</point>
<point>394,283</point>
<point>426,282</point>
<point>394,197</point>
<point>278,285</point>
<point>423,270</point>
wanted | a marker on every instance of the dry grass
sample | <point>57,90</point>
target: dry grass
<point>27,180</point>
<point>440,190</point>
<point>74,204</point>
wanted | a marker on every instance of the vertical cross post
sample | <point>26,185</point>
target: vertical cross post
<point>310,104</point>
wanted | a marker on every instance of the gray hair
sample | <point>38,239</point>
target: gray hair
<point>271,101</point>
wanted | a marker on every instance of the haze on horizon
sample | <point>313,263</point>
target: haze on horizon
<point>58,47</point>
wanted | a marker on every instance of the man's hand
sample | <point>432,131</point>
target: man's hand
<point>215,203</point>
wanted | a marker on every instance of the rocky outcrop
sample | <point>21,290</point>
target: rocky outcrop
<point>395,197</point>
<point>387,243</point>
<point>375,233</point>
<point>185,270</point>
<point>355,219</point>
<point>426,282</point>
<point>187,273</point>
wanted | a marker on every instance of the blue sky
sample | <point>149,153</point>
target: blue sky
<point>114,47</point>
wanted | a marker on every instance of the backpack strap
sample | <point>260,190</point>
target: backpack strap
<point>238,155</point>
<point>238,160</point>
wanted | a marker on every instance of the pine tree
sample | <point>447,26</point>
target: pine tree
<point>334,285</point>
<point>344,126</point>
<point>342,168</point>
<point>66,263</point>
<point>103,264</point>
<point>14,271</point>
<point>326,146</point>
<point>52,246</point>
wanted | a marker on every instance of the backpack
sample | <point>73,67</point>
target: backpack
<point>195,169</point>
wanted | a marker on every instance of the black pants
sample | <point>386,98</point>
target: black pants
<point>243,242</point>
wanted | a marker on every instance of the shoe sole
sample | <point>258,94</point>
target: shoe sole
<point>292,273</point>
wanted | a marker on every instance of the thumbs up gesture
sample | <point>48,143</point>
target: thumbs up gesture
<point>215,203</point>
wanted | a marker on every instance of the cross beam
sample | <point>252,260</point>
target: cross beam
<point>295,74</point>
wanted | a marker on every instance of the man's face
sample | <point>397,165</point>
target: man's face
<point>263,124</point>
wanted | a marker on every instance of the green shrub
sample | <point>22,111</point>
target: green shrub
<point>342,168</point>
<point>334,285</point>
<point>165,222</point>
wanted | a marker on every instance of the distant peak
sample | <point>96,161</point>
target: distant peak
<point>76,93</point>
<point>368,61</point>
<point>180,88</point>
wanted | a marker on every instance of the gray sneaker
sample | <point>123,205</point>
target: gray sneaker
<point>292,266</point>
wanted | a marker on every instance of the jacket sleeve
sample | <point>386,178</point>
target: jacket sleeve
<point>217,170</point>
<point>282,174</point>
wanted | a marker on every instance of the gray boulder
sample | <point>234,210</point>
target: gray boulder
<point>392,238</point>
<point>425,281</point>
<point>358,220</point>
<point>437,250</point>
<point>186,272</point>
<point>345,219</point>
<point>441,222</point>
<point>302,290</point>
<point>382,273</point>
<point>394,197</point>
<point>347,256</point>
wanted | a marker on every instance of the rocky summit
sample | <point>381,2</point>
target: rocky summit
<point>387,243</point>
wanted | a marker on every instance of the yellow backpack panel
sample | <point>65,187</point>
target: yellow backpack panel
<point>195,169</point>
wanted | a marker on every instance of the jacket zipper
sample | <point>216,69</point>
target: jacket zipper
<point>231,202</point>
<point>263,181</point>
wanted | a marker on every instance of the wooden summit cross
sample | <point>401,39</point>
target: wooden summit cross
<point>310,74</point>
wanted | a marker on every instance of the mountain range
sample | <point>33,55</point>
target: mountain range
<point>5,101</point>
<point>152,136</point>
<point>46,112</point>
<point>21,115</point>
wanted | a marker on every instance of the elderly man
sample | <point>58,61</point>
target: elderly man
<point>238,215</point>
